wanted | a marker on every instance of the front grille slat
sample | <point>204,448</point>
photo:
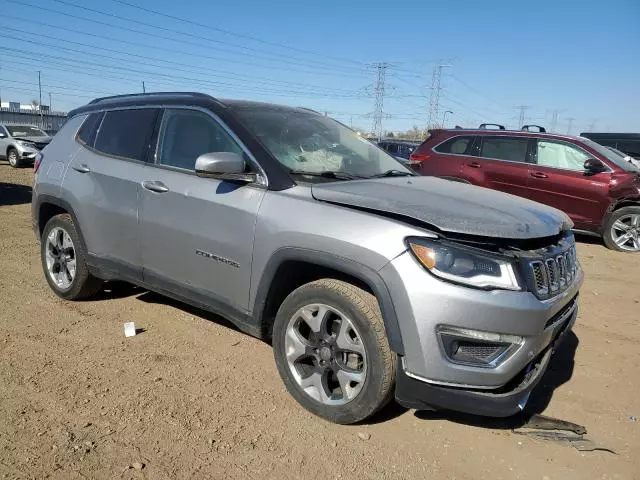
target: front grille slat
<point>554,274</point>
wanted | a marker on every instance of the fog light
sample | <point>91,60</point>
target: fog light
<point>477,348</point>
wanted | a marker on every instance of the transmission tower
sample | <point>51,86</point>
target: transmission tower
<point>523,109</point>
<point>378,106</point>
<point>570,124</point>
<point>434,98</point>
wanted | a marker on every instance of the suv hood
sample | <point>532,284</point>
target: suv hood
<point>448,206</point>
<point>39,139</point>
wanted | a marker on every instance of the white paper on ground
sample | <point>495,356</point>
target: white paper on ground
<point>129,329</point>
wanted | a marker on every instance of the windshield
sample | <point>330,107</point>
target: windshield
<point>610,155</point>
<point>308,143</point>
<point>25,131</point>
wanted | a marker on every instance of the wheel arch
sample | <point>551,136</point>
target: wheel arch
<point>48,207</point>
<point>299,266</point>
<point>617,205</point>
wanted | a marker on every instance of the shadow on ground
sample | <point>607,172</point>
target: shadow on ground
<point>14,194</point>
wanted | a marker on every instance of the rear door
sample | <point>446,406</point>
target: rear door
<point>501,163</point>
<point>105,178</point>
<point>558,179</point>
<point>448,157</point>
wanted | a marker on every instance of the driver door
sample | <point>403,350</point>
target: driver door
<point>197,232</point>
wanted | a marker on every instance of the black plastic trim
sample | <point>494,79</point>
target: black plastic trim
<point>341,264</point>
<point>44,198</point>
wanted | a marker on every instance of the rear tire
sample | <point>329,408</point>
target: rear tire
<point>354,366</point>
<point>622,231</point>
<point>64,260</point>
<point>14,158</point>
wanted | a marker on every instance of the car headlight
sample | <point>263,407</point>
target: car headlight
<point>25,143</point>
<point>464,265</point>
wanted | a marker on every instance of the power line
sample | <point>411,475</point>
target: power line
<point>184,66</point>
<point>235,34</point>
<point>312,68</point>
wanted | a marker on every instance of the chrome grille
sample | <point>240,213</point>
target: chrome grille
<point>554,274</point>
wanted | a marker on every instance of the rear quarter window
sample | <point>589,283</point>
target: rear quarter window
<point>459,145</point>
<point>87,132</point>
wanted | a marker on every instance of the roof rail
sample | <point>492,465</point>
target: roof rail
<point>527,128</point>
<point>152,94</point>
<point>485,125</point>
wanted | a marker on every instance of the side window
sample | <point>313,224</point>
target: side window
<point>126,133</point>
<point>87,132</point>
<point>504,148</point>
<point>560,155</point>
<point>456,145</point>
<point>187,134</point>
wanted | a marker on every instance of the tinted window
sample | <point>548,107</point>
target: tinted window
<point>126,133</point>
<point>504,148</point>
<point>87,132</point>
<point>561,155</point>
<point>455,145</point>
<point>187,134</point>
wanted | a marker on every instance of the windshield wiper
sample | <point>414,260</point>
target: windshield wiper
<point>394,173</point>
<point>326,174</point>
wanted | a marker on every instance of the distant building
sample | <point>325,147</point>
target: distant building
<point>26,113</point>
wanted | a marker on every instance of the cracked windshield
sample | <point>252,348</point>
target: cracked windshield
<point>310,144</point>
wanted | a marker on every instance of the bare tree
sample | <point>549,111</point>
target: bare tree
<point>36,105</point>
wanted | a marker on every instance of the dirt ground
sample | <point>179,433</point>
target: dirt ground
<point>192,397</point>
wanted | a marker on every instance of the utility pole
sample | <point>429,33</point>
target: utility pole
<point>378,106</point>
<point>592,125</point>
<point>434,98</point>
<point>144,89</point>
<point>40,101</point>
<point>523,109</point>
<point>554,120</point>
<point>570,124</point>
<point>50,104</point>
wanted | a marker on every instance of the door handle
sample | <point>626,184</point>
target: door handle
<point>81,168</point>
<point>539,175</point>
<point>157,187</point>
<point>474,165</point>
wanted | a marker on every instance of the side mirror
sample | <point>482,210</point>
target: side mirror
<point>223,166</point>
<point>593,166</point>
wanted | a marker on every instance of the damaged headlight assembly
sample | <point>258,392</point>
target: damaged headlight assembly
<point>464,265</point>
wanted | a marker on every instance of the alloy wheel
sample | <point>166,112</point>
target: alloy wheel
<point>13,158</point>
<point>325,354</point>
<point>60,256</point>
<point>625,232</point>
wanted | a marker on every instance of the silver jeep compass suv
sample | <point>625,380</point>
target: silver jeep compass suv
<point>370,282</point>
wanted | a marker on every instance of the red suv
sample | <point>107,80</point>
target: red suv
<point>596,187</point>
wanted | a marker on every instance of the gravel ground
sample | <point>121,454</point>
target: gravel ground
<point>192,397</point>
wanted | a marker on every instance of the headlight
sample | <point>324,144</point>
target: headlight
<point>464,265</point>
<point>26,144</point>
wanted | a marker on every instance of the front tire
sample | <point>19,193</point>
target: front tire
<point>14,158</point>
<point>332,352</point>
<point>622,231</point>
<point>64,260</point>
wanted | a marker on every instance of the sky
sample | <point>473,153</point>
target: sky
<point>577,59</point>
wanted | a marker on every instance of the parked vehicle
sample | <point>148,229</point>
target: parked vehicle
<point>596,187</point>
<point>626,157</point>
<point>400,149</point>
<point>19,144</point>
<point>370,281</point>
<point>628,143</point>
